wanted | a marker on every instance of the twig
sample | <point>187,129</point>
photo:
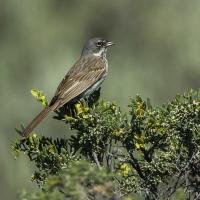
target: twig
<point>96,160</point>
<point>172,189</point>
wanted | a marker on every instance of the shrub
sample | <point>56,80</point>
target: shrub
<point>152,151</point>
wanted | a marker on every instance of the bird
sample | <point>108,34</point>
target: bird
<point>85,77</point>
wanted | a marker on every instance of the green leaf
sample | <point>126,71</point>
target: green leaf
<point>39,96</point>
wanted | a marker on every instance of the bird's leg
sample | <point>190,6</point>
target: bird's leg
<point>83,102</point>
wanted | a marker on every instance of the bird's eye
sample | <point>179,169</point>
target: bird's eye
<point>99,44</point>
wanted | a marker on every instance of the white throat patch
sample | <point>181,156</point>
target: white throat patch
<point>101,53</point>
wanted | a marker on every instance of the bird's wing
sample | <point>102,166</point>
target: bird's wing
<point>86,72</point>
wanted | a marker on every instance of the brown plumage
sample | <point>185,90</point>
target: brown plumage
<point>82,79</point>
<point>86,72</point>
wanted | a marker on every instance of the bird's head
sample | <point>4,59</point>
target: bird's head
<point>96,46</point>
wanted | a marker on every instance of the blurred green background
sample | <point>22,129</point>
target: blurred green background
<point>157,55</point>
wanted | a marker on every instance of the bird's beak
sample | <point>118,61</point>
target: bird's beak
<point>108,44</point>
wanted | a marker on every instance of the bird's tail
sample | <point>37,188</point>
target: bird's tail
<point>37,120</point>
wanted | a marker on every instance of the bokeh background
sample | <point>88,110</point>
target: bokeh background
<point>157,56</point>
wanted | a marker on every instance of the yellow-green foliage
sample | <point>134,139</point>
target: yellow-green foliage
<point>39,96</point>
<point>153,151</point>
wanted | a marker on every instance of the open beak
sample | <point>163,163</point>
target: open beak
<point>108,44</point>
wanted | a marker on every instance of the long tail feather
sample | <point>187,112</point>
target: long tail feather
<point>37,120</point>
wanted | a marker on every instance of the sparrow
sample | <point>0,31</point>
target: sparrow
<point>86,76</point>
